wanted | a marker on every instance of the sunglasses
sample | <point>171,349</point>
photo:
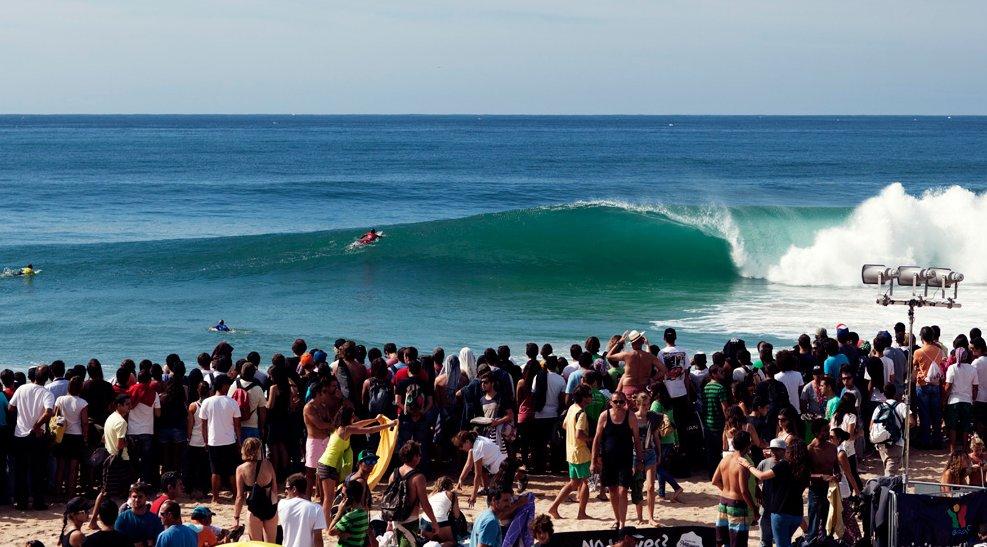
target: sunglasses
<point>619,402</point>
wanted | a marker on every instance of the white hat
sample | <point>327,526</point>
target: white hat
<point>634,335</point>
<point>780,444</point>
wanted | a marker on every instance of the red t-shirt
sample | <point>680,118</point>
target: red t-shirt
<point>158,502</point>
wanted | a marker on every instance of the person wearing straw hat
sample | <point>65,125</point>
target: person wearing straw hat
<point>639,365</point>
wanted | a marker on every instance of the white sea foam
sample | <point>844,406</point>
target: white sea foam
<point>939,228</point>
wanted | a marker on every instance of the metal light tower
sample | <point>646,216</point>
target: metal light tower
<point>936,279</point>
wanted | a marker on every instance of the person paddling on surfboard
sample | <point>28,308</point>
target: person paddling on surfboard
<point>222,326</point>
<point>370,237</point>
<point>26,270</point>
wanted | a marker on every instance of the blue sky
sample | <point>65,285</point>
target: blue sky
<point>477,56</point>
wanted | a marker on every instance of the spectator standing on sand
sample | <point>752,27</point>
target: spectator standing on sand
<point>677,377</point>
<point>961,388</point>
<point>220,416</point>
<point>927,375</point>
<point>639,365</point>
<point>617,443</point>
<point>256,476</point>
<point>34,406</point>
<point>72,449</point>
<point>716,402</point>
<point>145,407</point>
<point>196,475</point>
<point>318,426</point>
<point>252,422</point>
<point>301,520</point>
<point>978,347</point>
<point>786,480</point>
<point>578,453</point>
<point>822,466</point>
<point>548,394</point>
<point>885,414</point>
<point>736,509</point>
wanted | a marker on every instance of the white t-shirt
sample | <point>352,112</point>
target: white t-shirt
<point>31,401</point>
<point>876,394</point>
<point>698,376</point>
<point>980,363</point>
<point>71,407</point>
<point>219,411</point>
<point>299,518</point>
<point>141,418</point>
<point>257,399</point>
<point>677,365</point>
<point>848,419</point>
<point>900,411</point>
<point>793,383</point>
<point>489,452</point>
<point>441,506</point>
<point>963,378</point>
<point>556,385</point>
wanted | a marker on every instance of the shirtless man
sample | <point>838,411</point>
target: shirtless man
<point>411,457</point>
<point>318,426</point>
<point>639,365</point>
<point>822,466</point>
<point>736,508</point>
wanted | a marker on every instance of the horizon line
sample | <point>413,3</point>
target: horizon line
<point>505,115</point>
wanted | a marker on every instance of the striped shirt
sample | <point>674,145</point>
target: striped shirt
<point>355,522</point>
<point>714,394</point>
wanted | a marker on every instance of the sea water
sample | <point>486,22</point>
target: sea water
<point>150,229</point>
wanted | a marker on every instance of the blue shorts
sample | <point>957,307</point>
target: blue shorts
<point>172,435</point>
<point>248,432</point>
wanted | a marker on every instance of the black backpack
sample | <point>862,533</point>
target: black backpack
<point>395,504</point>
<point>380,398</point>
<point>892,422</point>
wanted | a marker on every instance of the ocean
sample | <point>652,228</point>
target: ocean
<point>149,229</point>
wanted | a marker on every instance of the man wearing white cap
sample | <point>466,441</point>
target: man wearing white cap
<point>639,365</point>
<point>777,453</point>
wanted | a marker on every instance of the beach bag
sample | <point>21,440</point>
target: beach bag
<point>395,504</point>
<point>242,397</point>
<point>57,427</point>
<point>380,398</point>
<point>259,499</point>
<point>886,428</point>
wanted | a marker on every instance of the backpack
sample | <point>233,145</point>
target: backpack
<point>380,398</point>
<point>886,428</point>
<point>259,499</point>
<point>395,504</point>
<point>665,425</point>
<point>242,398</point>
<point>414,399</point>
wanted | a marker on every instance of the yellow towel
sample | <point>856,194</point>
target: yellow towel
<point>834,523</point>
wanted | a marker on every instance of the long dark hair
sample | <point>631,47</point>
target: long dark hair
<point>798,457</point>
<point>847,405</point>
<point>539,395</point>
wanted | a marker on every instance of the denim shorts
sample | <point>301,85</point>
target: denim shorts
<point>172,435</point>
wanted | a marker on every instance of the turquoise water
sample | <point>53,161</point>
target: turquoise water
<point>499,230</point>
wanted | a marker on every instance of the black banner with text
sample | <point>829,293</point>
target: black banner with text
<point>665,536</point>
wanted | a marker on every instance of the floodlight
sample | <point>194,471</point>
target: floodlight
<point>944,277</point>
<point>912,276</point>
<point>877,274</point>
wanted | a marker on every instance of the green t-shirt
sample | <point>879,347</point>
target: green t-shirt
<point>355,522</point>
<point>595,407</point>
<point>714,395</point>
<point>831,407</point>
<point>673,437</point>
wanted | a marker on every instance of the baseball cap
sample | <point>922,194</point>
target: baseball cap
<point>780,444</point>
<point>817,369</point>
<point>367,456</point>
<point>202,512</point>
<point>319,356</point>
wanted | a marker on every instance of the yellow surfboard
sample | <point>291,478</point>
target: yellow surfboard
<point>385,449</point>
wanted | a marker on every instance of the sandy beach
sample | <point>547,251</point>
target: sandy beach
<point>698,507</point>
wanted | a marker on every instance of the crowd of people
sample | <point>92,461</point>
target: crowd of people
<point>294,446</point>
